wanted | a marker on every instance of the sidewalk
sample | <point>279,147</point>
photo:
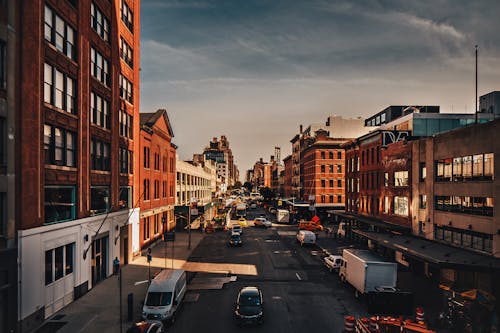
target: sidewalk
<point>98,310</point>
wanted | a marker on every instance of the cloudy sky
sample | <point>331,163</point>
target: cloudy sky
<point>255,70</point>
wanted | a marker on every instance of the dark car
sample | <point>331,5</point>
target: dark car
<point>147,327</point>
<point>235,239</point>
<point>249,306</point>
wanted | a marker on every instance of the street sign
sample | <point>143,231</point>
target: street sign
<point>150,257</point>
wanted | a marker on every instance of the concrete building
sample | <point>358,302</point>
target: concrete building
<point>157,177</point>
<point>78,92</point>
<point>490,103</point>
<point>220,152</point>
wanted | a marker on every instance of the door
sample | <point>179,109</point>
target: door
<point>99,259</point>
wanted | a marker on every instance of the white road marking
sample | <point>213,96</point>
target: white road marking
<point>298,276</point>
<point>88,323</point>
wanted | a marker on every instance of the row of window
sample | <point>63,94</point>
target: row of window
<point>59,33</point>
<point>156,189</point>
<point>380,119</point>
<point>464,204</point>
<point>475,167</point>
<point>100,155</point>
<point>59,262</point>
<point>338,169</point>
<point>157,222</point>
<point>60,201</point>
<point>331,183</point>
<point>399,206</point>
<point>59,89</point>
<point>370,156</point>
<point>330,199</point>
<point>330,155</point>
<point>185,179</point>
<point>99,23</point>
<point>464,238</point>
<point>156,161</point>
<point>353,164</point>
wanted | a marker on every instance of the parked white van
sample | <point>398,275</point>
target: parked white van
<point>165,295</point>
<point>306,237</point>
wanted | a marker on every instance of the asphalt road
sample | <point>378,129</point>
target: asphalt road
<point>300,294</point>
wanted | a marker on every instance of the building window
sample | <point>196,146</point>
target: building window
<point>146,157</point>
<point>126,161</point>
<point>330,168</point>
<point>339,155</point>
<point>331,183</point>
<point>156,189</point>
<point>323,183</point>
<point>157,161</point>
<point>386,205</point>
<point>423,172</point>
<point>464,238</point>
<point>423,201</point>
<point>126,124</point>
<point>127,15</point>
<point>100,155</point>
<point>339,198</point>
<point>330,198</point>
<point>322,169</point>
<point>145,228</point>
<point>339,183</point>
<point>59,146</point>
<point>99,67</point>
<point>99,199</point>
<point>99,111</point>
<point>164,189</point>
<point>125,197</point>
<point>330,155</point>
<point>59,203</point>
<point>322,198</point>
<point>99,22</point>
<point>3,212</point>
<point>59,89</point>
<point>476,167</point>
<point>401,206</point>
<point>146,190</point>
<point>156,226</point>
<point>400,178</point>
<point>59,262</point>
<point>3,64</point>
<point>126,89</point>
<point>59,33</point>
<point>126,53</point>
<point>3,141</point>
<point>322,154</point>
<point>464,204</point>
<point>339,168</point>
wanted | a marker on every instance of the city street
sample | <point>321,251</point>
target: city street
<point>299,293</point>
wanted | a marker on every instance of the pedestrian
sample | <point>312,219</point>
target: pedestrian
<point>116,265</point>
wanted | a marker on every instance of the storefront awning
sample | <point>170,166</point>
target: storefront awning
<point>433,252</point>
<point>372,221</point>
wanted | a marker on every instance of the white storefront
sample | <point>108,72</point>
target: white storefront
<point>63,258</point>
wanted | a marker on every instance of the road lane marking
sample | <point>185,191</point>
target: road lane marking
<point>298,276</point>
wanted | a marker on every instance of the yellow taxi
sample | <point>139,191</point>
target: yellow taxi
<point>242,221</point>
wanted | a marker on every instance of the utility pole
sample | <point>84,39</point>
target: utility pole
<point>189,227</point>
<point>120,287</point>
<point>476,111</point>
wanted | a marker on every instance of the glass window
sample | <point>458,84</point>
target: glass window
<point>59,89</point>
<point>386,179</point>
<point>467,166</point>
<point>331,182</point>
<point>99,67</point>
<point>400,178</point>
<point>48,267</point>
<point>477,242</point>
<point>488,166</point>
<point>58,33</point>
<point>423,172</point>
<point>423,201</point>
<point>68,269</point>
<point>99,23</point>
<point>386,205</point>
<point>99,199</point>
<point>477,168</point>
<point>60,204</point>
<point>466,240</point>
<point>457,169</point>
<point>125,197</point>
<point>339,183</point>
<point>322,168</point>
<point>59,263</point>
<point>401,206</point>
<point>126,15</point>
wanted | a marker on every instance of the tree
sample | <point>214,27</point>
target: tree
<point>248,186</point>
<point>237,184</point>
<point>267,193</point>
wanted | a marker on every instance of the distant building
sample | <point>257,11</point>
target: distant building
<point>220,152</point>
<point>490,103</point>
<point>287,177</point>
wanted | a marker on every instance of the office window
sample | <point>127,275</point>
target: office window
<point>400,178</point>
<point>99,111</point>
<point>423,201</point>
<point>322,169</point>
<point>59,262</point>
<point>126,161</point>
<point>59,146</point>
<point>339,168</point>
<point>100,155</point>
<point>467,167</point>
<point>126,121</point>
<point>3,212</point>
<point>59,89</point>
<point>3,64</point>
<point>465,204</point>
<point>477,166</point>
<point>59,203</point>
<point>323,183</point>
<point>126,15</point>
<point>100,199</point>
<point>401,206</point>
<point>146,190</point>
<point>488,166</point>
<point>423,172</point>
<point>99,22</point>
<point>126,89</point>
<point>125,197</point>
<point>3,141</point>
<point>59,33</point>
<point>331,182</point>
<point>99,67</point>
<point>126,53</point>
<point>145,230</point>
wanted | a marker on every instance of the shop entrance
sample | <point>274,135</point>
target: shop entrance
<point>99,259</point>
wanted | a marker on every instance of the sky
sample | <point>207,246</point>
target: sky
<point>254,70</point>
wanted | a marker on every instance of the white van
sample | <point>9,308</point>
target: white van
<point>165,295</point>
<point>306,237</point>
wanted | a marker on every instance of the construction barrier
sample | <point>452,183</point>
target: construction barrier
<point>362,325</point>
<point>419,316</point>
<point>373,324</point>
<point>349,324</point>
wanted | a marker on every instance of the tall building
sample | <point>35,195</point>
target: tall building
<point>157,177</point>
<point>490,103</point>
<point>77,84</point>
<point>220,152</point>
<point>262,174</point>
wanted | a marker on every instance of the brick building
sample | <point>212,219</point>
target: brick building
<point>287,178</point>
<point>76,130</point>
<point>157,173</point>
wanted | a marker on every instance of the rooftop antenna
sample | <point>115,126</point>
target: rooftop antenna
<point>476,90</point>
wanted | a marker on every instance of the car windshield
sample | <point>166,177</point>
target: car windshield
<point>249,300</point>
<point>158,299</point>
<point>235,237</point>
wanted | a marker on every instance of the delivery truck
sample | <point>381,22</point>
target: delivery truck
<point>367,272</point>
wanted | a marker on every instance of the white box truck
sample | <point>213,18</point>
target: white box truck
<point>282,216</point>
<point>367,272</point>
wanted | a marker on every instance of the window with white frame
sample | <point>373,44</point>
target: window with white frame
<point>59,146</point>
<point>126,89</point>
<point>59,262</point>
<point>126,121</point>
<point>99,111</point>
<point>59,89</point>
<point>400,178</point>
<point>59,33</point>
<point>126,53</point>
<point>99,67</point>
<point>99,22</point>
<point>401,206</point>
